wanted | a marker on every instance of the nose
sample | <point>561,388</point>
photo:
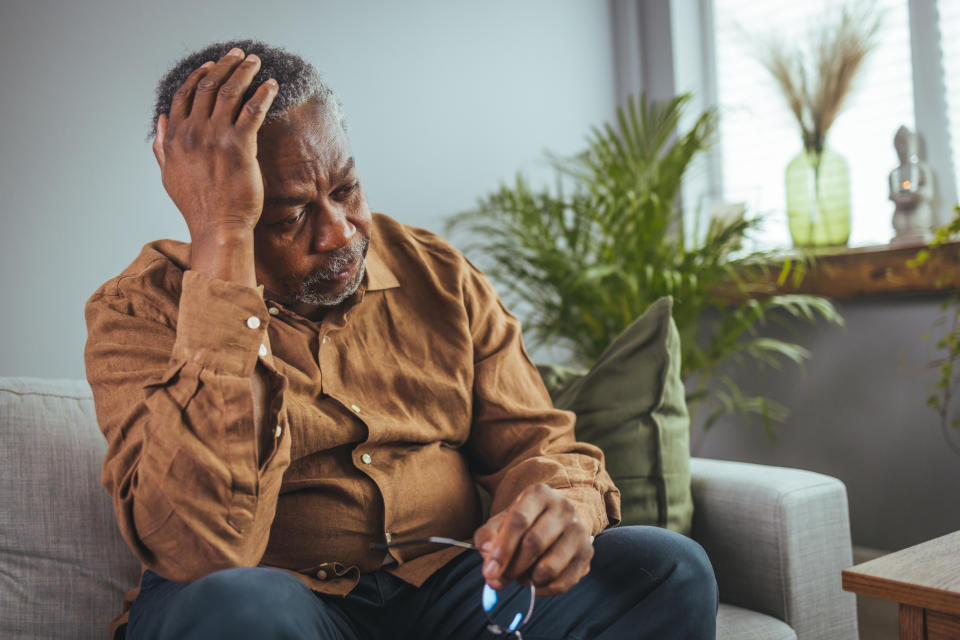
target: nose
<point>332,230</point>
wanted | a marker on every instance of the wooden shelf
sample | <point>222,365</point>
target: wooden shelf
<point>867,273</point>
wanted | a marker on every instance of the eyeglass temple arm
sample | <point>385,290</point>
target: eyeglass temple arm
<point>432,539</point>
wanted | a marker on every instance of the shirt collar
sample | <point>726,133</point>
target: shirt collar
<point>379,275</point>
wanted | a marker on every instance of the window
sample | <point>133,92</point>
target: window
<point>912,78</point>
<point>759,135</point>
<point>949,23</point>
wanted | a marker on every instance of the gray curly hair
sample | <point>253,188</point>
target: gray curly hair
<point>299,81</point>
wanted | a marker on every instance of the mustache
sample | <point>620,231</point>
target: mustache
<point>340,260</point>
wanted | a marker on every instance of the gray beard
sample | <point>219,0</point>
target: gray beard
<point>311,291</point>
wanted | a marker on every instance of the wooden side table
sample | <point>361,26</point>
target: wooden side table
<point>924,580</point>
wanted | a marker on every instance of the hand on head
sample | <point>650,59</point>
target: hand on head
<point>207,146</point>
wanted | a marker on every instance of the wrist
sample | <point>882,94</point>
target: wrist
<point>226,254</point>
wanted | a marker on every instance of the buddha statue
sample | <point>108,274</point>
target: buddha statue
<point>911,190</point>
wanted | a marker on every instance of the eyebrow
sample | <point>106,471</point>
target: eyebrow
<point>294,199</point>
<point>347,166</point>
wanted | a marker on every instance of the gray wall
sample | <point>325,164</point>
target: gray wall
<point>445,99</point>
<point>858,413</point>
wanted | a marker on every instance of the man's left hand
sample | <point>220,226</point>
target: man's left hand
<point>539,540</point>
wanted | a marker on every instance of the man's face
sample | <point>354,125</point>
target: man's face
<point>312,238</point>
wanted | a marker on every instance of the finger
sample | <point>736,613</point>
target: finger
<point>158,140</point>
<point>209,85</point>
<point>255,110</point>
<point>231,91</point>
<point>519,518</point>
<point>484,536</point>
<point>563,560</point>
<point>183,97</point>
<point>574,572</point>
<point>538,540</point>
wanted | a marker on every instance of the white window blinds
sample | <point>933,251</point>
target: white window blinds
<point>949,11</point>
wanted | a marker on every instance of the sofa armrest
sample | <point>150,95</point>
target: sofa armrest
<point>778,540</point>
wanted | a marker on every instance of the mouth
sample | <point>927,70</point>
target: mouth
<point>348,272</point>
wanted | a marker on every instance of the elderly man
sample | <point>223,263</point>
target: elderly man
<point>306,386</point>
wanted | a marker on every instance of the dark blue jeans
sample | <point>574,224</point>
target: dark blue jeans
<point>644,582</point>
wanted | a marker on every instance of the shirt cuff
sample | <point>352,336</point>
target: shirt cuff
<point>221,325</point>
<point>596,509</point>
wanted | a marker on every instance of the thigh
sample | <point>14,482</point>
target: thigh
<point>448,605</point>
<point>237,604</point>
<point>644,582</point>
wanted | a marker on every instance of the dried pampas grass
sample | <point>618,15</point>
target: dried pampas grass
<point>817,76</point>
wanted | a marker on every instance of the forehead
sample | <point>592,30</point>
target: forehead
<point>306,144</point>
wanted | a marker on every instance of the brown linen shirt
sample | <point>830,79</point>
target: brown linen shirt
<point>386,412</point>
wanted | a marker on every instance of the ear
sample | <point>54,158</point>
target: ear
<point>158,140</point>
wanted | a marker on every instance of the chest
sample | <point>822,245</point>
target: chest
<point>383,372</point>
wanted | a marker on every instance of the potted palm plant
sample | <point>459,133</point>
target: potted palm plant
<point>582,260</point>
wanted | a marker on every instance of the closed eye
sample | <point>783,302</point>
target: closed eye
<point>293,220</point>
<point>347,190</point>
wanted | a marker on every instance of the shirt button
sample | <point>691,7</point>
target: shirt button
<point>277,431</point>
<point>388,537</point>
<point>366,458</point>
<point>263,350</point>
<point>325,339</point>
<point>355,408</point>
<point>322,574</point>
<point>253,322</point>
<point>273,311</point>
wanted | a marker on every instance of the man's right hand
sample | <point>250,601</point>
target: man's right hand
<point>207,151</point>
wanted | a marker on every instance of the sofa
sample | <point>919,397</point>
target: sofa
<point>778,538</point>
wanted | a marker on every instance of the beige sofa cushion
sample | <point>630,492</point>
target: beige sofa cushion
<point>63,565</point>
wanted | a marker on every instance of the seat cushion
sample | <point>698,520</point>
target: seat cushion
<point>734,623</point>
<point>63,566</point>
<point>632,405</point>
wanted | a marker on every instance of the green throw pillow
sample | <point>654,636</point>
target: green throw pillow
<point>631,404</point>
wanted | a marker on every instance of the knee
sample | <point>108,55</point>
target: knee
<point>694,576</point>
<point>249,585</point>
<point>244,603</point>
<point>678,562</point>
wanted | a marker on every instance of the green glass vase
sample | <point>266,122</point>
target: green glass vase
<point>818,199</point>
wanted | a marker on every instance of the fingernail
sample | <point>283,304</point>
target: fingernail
<point>234,52</point>
<point>491,568</point>
<point>252,57</point>
<point>272,82</point>
<point>486,546</point>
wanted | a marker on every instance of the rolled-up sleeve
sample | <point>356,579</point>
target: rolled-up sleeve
<point>518,438</point>
<point>171,379</point>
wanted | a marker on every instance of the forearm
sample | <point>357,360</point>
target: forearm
<point>198,498</point>
<point>228,256</point>
<point>518,438</point>
<point>190,413</point>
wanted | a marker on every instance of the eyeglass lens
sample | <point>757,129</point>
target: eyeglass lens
<point>507,609</point>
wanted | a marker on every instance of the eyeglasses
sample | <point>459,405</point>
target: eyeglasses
<point>507,609</point>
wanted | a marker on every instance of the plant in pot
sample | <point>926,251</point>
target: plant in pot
<point>581,261</point>
<point>816,77</point>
